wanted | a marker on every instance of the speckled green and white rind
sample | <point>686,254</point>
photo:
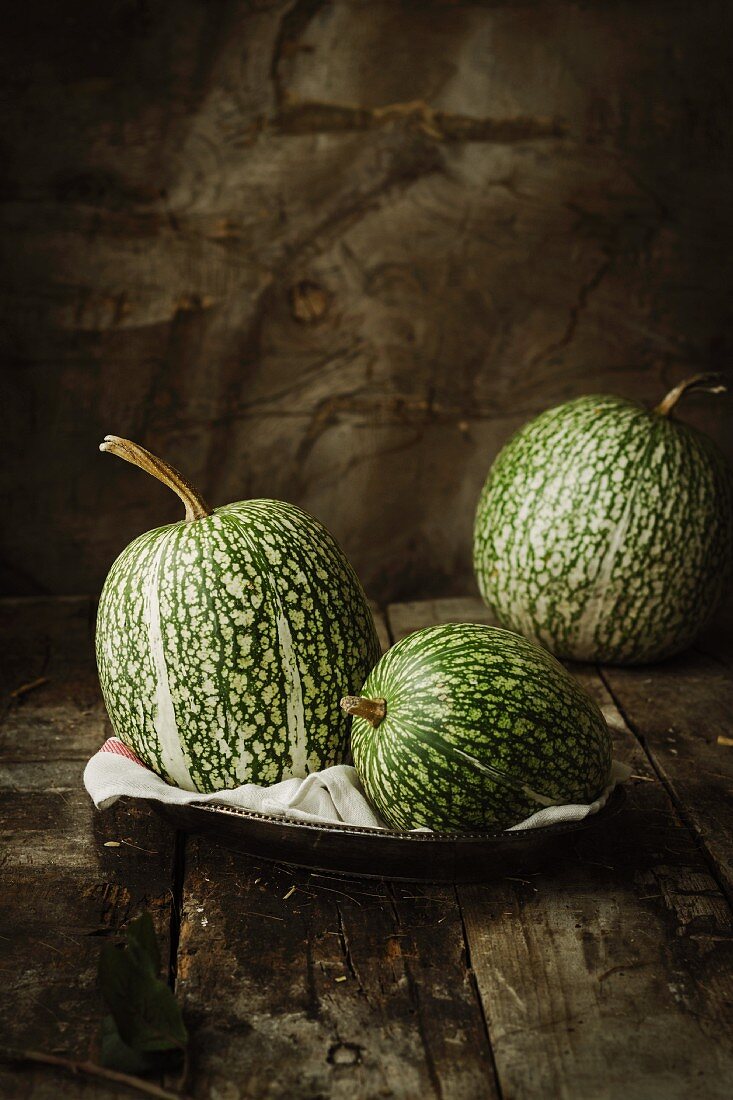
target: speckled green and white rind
<point>224,645</point>
<point>482,729</point>
<point>605,532</point>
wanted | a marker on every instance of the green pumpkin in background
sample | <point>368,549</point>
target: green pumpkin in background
<point>224,641</point>
<point>605,530</point>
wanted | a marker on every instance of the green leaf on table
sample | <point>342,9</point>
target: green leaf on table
<point>142,941</point>
<point>114,1053</point>
<point>144,1010</point>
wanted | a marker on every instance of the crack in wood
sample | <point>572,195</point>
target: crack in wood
<point>388,410</point>
<point>576,311</point>
<point>346,948</point>
<point>413,990</point>
<point>178,876</point>
<point>420,161</point>
<point>313,1004</point>
<point>621,968</point>
<point>313,117</point>
<point>470,973</point>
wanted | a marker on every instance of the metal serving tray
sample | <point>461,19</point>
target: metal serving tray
<point>366,853</point>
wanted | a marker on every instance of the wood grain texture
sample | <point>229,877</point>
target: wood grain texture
<point>336,252</point>
<point>315,986</point>
<point>683,713</point>
<point>310,986</point>
<point>70,877</point>
<point>405,618</point>
<point>609,974</point>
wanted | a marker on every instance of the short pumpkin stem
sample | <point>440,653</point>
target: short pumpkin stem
<point>195,505</point>
<point>374,710</point>
<point>703,383</point>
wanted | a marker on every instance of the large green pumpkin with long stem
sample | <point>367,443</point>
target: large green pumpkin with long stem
<point>605,530</point>
<point>224,641</point>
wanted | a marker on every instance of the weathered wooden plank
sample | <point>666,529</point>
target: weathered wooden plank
<point>309,986</point>
<point>611,973</point>
<point>404,618</point>
<point>608,975</point>
<point>305,985</point>
<point>50,702</point>
<point>682,711</point>
<point>52,927</point>
<point>380,621</point>
<point>70,876</point>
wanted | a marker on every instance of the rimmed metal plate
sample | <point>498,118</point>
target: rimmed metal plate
<point>368,853</point>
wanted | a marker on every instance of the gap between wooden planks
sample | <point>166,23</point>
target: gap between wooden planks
<point>608,975</point>
<point>302,984</point>
<point>62,890</point>
<point>612,975</point>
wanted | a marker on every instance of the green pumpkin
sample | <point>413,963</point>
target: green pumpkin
<point>466,727</point>
<point>605,530</point>
<point>224,641</point>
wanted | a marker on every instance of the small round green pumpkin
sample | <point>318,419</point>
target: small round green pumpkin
<point>224,641</point>
<point>605,530</point>
<point>465,727</point>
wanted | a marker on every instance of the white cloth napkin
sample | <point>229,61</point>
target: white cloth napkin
<point>333,795</point>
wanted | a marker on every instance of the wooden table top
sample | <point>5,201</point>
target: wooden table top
<point>608,974</point>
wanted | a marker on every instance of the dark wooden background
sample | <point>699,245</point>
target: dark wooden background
<point>338,251</point>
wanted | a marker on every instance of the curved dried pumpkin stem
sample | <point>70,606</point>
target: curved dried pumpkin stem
<point>373,710</point>
<point>196,507</point>
<point>702,383</point>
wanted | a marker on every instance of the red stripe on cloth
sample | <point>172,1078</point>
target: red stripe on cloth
<point>113,744</point>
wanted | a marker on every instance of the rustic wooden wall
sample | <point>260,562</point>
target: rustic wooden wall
<point>338,251</point>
